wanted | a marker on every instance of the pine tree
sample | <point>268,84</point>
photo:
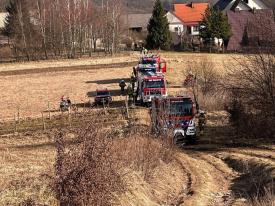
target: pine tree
<point>11,22</point>
<point>158,29</point>
<point>214,25</point>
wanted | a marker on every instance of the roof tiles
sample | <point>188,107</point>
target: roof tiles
<point>190,13</point>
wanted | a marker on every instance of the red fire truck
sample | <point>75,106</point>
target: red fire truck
<point>150,85</point>
<point>176,113</point>
<point>154,61</point>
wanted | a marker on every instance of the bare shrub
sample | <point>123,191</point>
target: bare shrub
<point>251,89</point>
<point>28,202</point>
<point>85,172</point>
<point>267,200</point>
<point>256,182</point>
<point>91,171</point>
<point>205,74</point>
<point>204,80</point>
<point>140,152</point>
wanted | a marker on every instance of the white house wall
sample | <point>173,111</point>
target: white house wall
<point>174,23</point>
<point>2,19</point>
<point>180,28</point>
<point>194,33</point>
<point>242,7</point>
<point>257,4</point>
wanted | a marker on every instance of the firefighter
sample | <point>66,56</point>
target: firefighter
<point>134,71</point>
<point>69,102</point>
<point>144,51</point>
<point>133,80</point>
<point>122,85</point>
<point>202,120</point>
<point>130,92</point>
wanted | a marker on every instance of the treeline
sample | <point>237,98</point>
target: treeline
<point>3,4</point>
<point>42,29</point>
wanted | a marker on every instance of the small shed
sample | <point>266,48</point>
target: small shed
<point>136,22</point>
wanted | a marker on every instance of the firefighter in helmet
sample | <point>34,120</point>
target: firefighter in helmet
<point>122,85</point>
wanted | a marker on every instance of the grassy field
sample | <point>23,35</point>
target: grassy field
<point>32,93</point>
<point>27,159</point>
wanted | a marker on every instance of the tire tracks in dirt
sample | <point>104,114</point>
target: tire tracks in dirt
<point>259,156</point>
<point>209,180</point>
<point>256,168</point>
<point>257,153</point>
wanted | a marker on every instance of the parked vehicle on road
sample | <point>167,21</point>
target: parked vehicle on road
<point>103,97</point>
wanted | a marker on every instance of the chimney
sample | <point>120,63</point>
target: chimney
<point>254,10</point>
<point>191,5</point>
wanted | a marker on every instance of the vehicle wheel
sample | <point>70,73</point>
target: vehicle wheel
<point>142,103</point>
<point>193,140</point>
<point>178,139</point>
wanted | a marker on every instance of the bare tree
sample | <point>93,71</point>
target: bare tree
<point>251,86</point>
<point>65,27</point>
<point>41,10</point>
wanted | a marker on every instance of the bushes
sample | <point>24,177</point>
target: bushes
<point>204,83</point>
<point>251,88</point>
<point>85,172</point>
<point>91,171</point>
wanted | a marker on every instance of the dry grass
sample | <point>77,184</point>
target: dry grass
<point>25,163</point>
<point>146,165</point>
<point>32,92</point>
<point>256,179</point>
<point>68,62</point>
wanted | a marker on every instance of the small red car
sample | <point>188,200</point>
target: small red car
<point>103,96</point>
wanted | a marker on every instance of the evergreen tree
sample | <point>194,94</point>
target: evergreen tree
<point>158,29</point>
<point>11,22</point>
<point>214,25</point>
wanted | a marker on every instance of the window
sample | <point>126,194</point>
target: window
<point>176,29</point>
<point>245,1</point>
<point>188,30</point>
<point>196,28</point>
<point>156,83</point>
<point>181,108</point>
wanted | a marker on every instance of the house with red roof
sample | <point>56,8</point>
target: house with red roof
<point>185,18</point>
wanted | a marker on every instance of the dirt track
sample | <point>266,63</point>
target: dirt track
<point>223,172</point>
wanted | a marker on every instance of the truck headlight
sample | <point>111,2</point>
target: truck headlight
<point>191,123</point>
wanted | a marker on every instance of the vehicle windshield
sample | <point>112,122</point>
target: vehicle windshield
<point>148,61</point>
<point>148,69</point>
<point>101,93</point>
<point>154,83</point>
<point>181,108</point>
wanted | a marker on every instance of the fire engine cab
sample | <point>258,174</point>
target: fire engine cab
<point>154,61</point>
<point>150,85</point>
<point>176,113</point>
